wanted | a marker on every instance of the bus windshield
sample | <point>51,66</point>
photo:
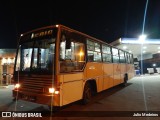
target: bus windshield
<point>36,56</point>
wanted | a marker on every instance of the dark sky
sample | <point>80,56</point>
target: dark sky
<point>104,19</point>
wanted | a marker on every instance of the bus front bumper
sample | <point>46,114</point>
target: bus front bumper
<point>36,98</point>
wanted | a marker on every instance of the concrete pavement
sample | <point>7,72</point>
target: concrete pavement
<point>141,94</point>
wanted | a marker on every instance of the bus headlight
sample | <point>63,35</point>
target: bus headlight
<point>17,86</point>
<point>51,90</point>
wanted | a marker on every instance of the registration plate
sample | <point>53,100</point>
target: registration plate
<point>28,97</point>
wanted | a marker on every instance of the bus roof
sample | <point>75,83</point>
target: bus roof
<point>69,29</point>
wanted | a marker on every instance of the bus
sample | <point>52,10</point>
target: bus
<point>57,65</point>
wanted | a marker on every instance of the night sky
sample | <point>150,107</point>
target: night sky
<point>107,20</point>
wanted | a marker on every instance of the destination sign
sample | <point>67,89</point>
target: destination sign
<point>41,34</point>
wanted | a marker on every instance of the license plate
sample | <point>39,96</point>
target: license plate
<point>27,97</point>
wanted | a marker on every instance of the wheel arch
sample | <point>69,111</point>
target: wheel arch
<point>93,85</point>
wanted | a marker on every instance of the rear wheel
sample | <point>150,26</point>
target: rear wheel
<point>87,94</point>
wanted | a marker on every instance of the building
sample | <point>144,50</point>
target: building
<point>146,53</point>
<point>7,58</point>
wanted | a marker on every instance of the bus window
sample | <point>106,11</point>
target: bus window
<point>122,58</point>
<point>43,54</point>
<point>90,50</point>
<point>25,54</point>
<point>106,52</point>
<point>115,55</point>
<point>127,57</point>
<point>93,51</point>
<point>18,60</point>
<point>97,53</point>
<point>131,58</point>
<point>72,59</point>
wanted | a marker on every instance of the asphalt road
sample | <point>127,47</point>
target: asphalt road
<point>118,103</point>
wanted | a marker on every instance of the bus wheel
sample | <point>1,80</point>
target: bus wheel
<point>125,80</point>
<point>87,94</point>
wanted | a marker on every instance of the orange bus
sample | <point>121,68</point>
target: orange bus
<point>57,65</point>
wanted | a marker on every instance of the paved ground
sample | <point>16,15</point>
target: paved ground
<point>141,94</point>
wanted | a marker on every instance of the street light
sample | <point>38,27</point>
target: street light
<point>142,40</point>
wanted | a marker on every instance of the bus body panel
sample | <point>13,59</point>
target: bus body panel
<point>130,69</point>
<point>123,71</point>
<point>94,71</point>
<point>116,72</point>
<point>71,87</point>
<point>108,76</point>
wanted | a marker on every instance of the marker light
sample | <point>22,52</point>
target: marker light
<point>17,86</point>
<point>56,92</point>
<point>51,90</point>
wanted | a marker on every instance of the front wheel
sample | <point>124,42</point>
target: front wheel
<point>87,94</point>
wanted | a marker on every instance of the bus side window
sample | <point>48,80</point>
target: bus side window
<point>122,57</point>
<point>93,51</point>
<point>72,59</point>
<point>115,55</point>
<point>106,53</point>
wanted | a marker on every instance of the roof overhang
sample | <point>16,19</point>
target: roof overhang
<point>7,53</point>
<point>133,45</point>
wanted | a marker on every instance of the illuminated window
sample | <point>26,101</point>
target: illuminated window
<point>106,52</point>
<point>127,55</point>
<point>72,58</point>
<point>115,55</point>
<point>122,57</point>
<point>93,51</point>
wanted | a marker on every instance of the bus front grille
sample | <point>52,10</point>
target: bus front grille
<point>36,84</point>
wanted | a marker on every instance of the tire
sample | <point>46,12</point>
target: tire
<point>87,94</point>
